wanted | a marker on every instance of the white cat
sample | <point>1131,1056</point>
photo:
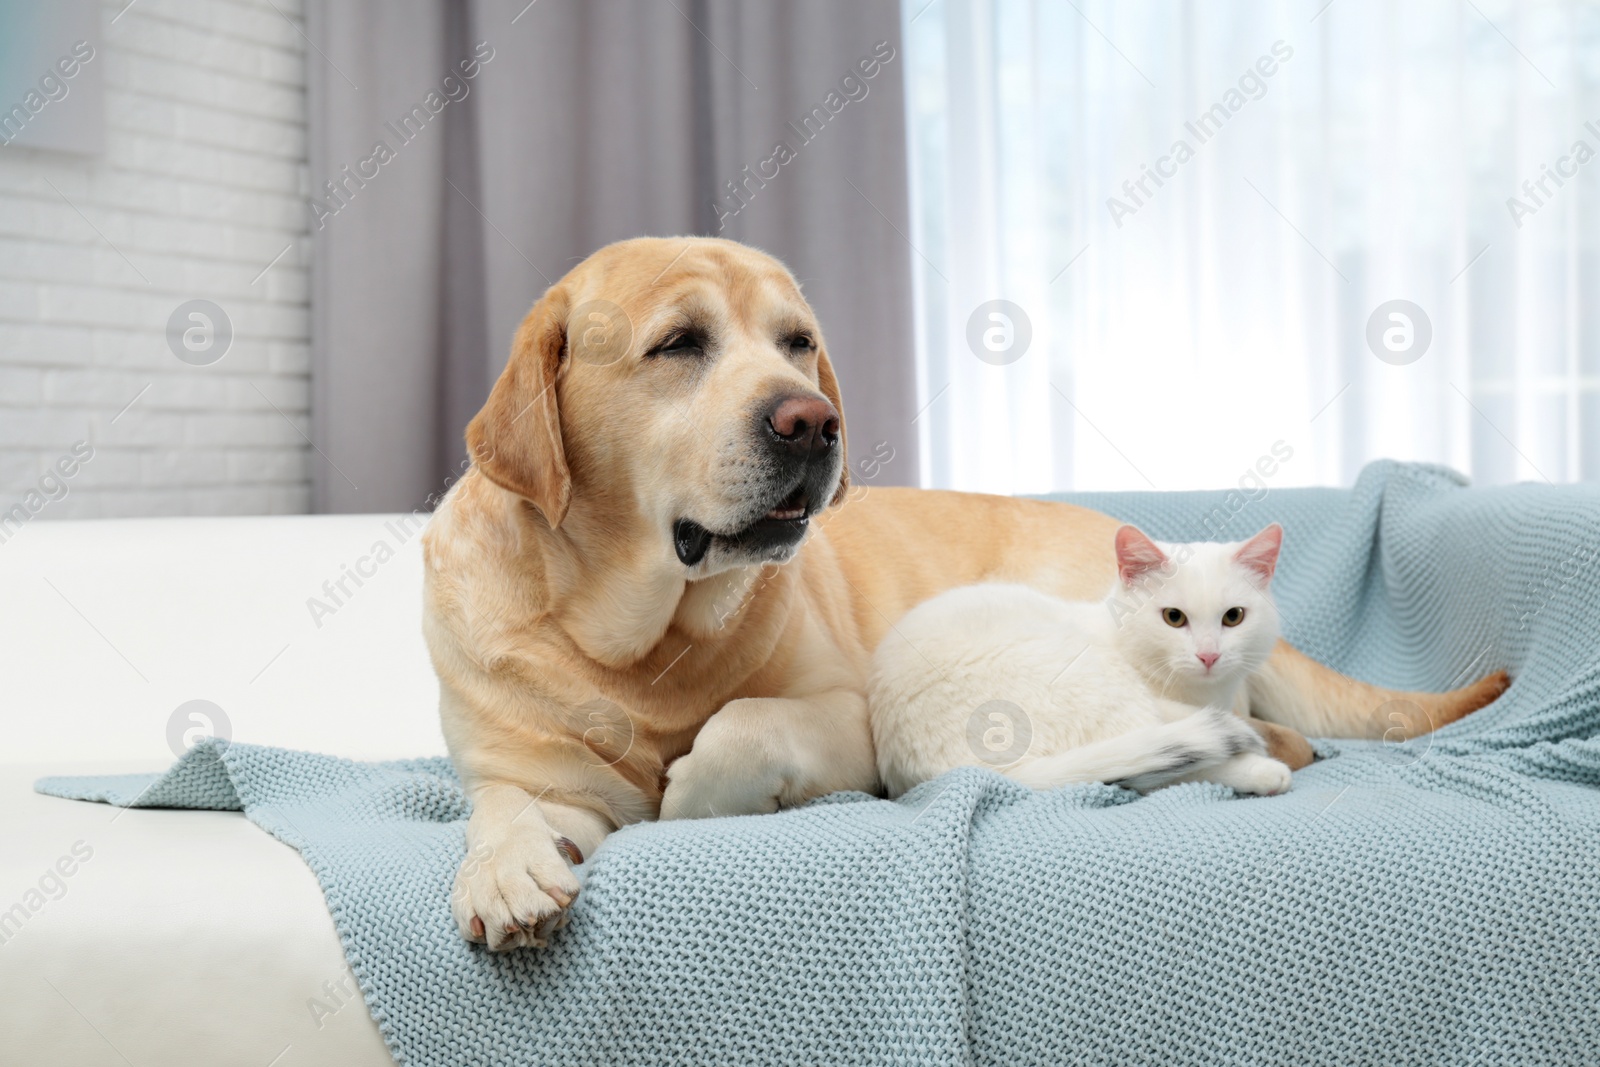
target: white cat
<point>1139,690</point>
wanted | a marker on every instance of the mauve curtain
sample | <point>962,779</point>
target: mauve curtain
<point>554,128</point>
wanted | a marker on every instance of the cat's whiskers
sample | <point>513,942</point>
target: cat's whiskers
<point>1169,674</point>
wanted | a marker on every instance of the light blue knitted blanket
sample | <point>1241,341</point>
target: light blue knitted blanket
<point>1437,902</point>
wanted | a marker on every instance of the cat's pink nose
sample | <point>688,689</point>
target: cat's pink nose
<point>1208,658</point>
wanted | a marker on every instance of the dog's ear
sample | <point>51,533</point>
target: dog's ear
<point>828,382</point>
<point>515,440</point>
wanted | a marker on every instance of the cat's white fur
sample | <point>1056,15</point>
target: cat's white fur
<point>1051,692</point>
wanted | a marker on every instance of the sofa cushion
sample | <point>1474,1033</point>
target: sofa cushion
<point>151,936</point>
<point>306,631</point>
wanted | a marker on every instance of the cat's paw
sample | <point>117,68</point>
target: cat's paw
<point>1255,775</point>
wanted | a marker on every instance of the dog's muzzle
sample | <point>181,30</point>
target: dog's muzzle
<point>801,437</point>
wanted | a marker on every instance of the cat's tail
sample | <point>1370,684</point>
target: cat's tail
<point>1147,758</point>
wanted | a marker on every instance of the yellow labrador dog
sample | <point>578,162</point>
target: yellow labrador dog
<point>654,594</point>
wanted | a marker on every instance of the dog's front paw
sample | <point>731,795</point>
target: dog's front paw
<point>515,892</point>
<point>733,769</point>
<point>700,786</point>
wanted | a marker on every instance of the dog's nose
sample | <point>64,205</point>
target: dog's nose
<point>803,424</point>
<point>1208,658</point>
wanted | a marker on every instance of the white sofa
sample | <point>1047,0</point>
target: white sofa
<point>182,937</point>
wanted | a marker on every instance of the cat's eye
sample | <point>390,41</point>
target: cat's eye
<point>1233,617</point>
<point>1173,617</point>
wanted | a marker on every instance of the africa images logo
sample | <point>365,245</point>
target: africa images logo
<point>1252,85</point>
<point>54,85</point>
<point>194,721</point>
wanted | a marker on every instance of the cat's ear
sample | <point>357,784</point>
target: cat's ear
<point>1259,555</point>
<point>1137,555</point>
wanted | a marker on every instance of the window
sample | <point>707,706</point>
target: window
<point>1353,230</point>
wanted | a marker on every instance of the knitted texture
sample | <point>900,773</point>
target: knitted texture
<point>1427,902</point>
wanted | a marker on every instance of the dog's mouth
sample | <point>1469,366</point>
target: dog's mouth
<point>770,536</point>
<point>790,508</point>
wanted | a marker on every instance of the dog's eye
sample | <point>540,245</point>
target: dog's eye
<point>1233,617</point>
<point>800,343</point>
<point>1173,617</point>
<point>687,343</point>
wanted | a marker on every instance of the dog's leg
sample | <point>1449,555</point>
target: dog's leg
<point>515,885</point>
<point>1295,690</point>
<point>764,753</point>
<point>1286,746</point>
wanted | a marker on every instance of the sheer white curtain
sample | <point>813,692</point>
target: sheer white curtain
<point>1199,212</point>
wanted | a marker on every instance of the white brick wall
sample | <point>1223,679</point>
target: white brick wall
<point>200,187</point>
